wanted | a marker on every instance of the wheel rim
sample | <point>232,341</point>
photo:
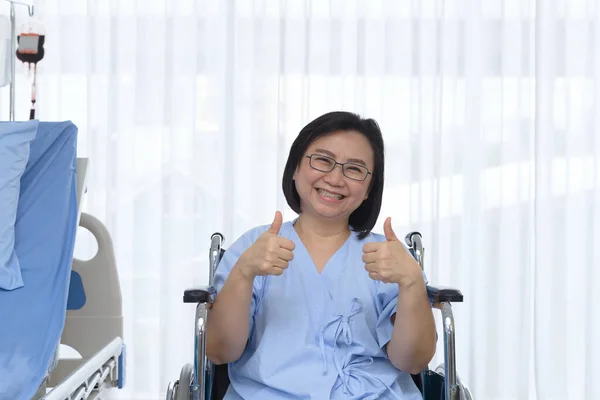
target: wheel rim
<point>184,390</point>
<point>171,390</point>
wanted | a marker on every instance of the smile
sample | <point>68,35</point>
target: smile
<point>330,195</point>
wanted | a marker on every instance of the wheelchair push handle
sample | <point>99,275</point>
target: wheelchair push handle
<point>216,245</point>
<point>415,247</point>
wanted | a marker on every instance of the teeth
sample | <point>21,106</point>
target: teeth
<point>329,194</point>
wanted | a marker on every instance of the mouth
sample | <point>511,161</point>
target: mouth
<point>330,195</point>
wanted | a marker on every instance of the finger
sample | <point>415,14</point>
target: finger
<point>276,271</point>
<point>279,263</point>
<point>371,267</point>
<point>389,232</point>
<point>276,225</point>
<point>286,244</point>
<point>371,247</point>
<point>369,257</point>
<point>375,276</point>
<point>285,254</point>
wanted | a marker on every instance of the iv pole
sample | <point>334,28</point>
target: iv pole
<point>13,50</point>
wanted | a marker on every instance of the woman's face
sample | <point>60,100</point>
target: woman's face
<point>333,195</point>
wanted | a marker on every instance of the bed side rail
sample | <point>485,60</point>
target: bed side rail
<point>89,378</point>
<point>94,316</point>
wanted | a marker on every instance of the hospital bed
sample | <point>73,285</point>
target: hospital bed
<point>201,380</point>
<point>63,300</point>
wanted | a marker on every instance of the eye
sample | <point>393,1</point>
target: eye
<point>354,171</point>
<point>323,160</point>
<point>354,168</point>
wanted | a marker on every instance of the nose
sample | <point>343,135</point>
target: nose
<point>335,177</point>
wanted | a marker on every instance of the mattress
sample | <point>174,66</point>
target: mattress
<point>32,317</point>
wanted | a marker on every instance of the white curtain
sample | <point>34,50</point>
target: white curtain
<point>491,116</point>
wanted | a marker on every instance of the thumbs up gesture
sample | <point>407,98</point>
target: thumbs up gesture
<point>389,261</point>
<point>270,254</point>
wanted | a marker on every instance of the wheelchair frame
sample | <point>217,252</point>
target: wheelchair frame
<point>196,380</point>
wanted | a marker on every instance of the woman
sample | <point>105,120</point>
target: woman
<point>306,309</point>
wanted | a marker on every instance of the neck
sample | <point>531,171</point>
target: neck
<point>313,229</point>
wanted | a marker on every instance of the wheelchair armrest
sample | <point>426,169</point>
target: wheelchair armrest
<point>200,294</point>
<point>439,294</point>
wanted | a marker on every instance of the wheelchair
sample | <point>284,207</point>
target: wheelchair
<point>201,380</point>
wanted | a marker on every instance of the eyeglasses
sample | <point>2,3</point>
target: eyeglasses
<point>352,171</point>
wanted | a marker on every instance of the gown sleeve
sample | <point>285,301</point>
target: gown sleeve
<point>387,301</point>
<point>228,261</point>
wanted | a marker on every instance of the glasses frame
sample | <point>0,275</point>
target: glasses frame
<point>335,163</point>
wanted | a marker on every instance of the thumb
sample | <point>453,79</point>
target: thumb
<point>276,225</point>
<point>389,232</point>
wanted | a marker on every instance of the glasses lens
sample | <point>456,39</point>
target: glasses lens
<point>322,163</point>
<point>356,172</point>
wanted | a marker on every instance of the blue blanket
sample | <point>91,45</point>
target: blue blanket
<point>32,317</point>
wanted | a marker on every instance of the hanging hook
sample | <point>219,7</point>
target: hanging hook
<point>29,6</point>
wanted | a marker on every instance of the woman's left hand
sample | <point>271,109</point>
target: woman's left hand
<point>389,261</point>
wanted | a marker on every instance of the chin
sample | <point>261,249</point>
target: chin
<point>330,213</point>
<point>331,216</point>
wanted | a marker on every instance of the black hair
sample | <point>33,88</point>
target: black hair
<point>363,219</point>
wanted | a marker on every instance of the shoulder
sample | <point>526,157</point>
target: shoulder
<point>373,237</point>
<point>250,236</point>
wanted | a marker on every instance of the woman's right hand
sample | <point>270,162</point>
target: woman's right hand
<point>269,255</point>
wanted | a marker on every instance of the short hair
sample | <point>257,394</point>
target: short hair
<point>363,219</point>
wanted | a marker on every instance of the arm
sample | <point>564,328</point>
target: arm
<point>413,340</point>
<point>228,324</point>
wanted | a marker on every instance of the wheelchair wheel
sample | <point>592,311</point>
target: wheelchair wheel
<point>184,391</point>
<point>464,392</point>
<point>171,391</point>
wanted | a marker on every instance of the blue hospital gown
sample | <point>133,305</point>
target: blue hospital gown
<point>317,336</point>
